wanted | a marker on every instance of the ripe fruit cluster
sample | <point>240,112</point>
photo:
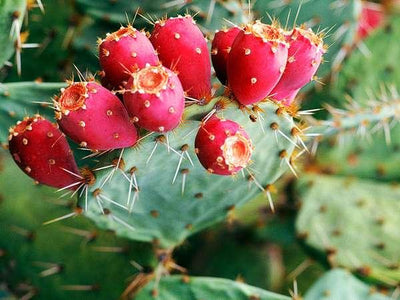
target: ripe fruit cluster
<point>144,82</point>
<point>262,61</point>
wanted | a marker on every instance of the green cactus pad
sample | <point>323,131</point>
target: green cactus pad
<point>64,260</point>
<point>206,198</point>
<point>378,68</point>
<point>362,158</point>
<point>373,113</point>
<point>340,284</point>
<point>18,100</point>
<point>8,8</point>
<point>194,288</point>
<point>353,224</point>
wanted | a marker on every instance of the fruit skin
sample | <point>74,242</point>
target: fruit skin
<point>121,52</point>
<point>220,48</point>
<point>158,108</point>
<point>372,16</point>
<point>304,57</point>
<point>256,62</point>
<point>94,117</point>
<point>182,48</point>
<point>223,146</point>
<point>41,150</point>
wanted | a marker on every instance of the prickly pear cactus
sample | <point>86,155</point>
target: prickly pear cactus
<point>184,191</point>
<point>367,212</point>
<point>154,195</point>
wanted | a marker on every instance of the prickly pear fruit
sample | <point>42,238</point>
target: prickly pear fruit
<point>223,146</point>
<point>220,48</point>
<point>256,61</point>
<point>121,52</point>
<point>94,117</point>
<point>372,16</point>
<point>182,48</point>
<point>155,99</point>
<point>304,57</point>
<point>41,150</point>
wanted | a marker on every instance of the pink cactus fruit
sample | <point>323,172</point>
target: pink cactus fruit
<point>94,117</point>
<point>182,48</point>
<point>304,57</point>
<point>256,61</point>
<point>220,48</point>
<point>42,152</point>
<point>121,52</point>
<point>223,146</point>
<point>155,99</point>
<point>372,16</point>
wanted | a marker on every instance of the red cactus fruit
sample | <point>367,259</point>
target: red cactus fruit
<point>372,16</point>
<point>94,117</point>
<point>42,152</point>
<point>256,61</point>
<point>182,48</point>
<point>223,146</point>
<point>156,99</point>
<point>220,48</point>
<point>304,57</point>
<point>121,52</point>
